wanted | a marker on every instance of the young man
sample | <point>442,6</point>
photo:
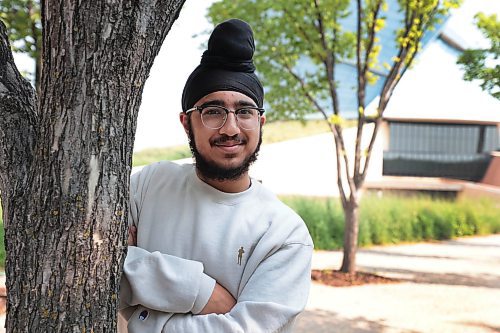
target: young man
<point>215,251</point>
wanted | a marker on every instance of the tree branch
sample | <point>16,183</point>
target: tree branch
<point>362,70</point>
<point>329,62</point>
<point>18,122</point>
<point>396,74</point>
<point>336,129</point>
<point>305,91</point>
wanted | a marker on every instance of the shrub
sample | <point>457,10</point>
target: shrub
<point>324,219</point>
<point>392,219</point>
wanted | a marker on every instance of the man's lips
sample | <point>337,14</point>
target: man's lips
<point>228,143</point>
<point>229,147</point>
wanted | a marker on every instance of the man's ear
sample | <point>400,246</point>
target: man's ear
<point>262,120</point>
<point>183,117</point>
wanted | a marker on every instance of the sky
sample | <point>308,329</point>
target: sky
<point>158,122</point>
<point>434,89</point>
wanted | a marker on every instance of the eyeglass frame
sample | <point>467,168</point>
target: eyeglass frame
<point>200,108</point>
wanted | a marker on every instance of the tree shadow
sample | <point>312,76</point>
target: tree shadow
<point>462,243</point>
<point>487,328</point>
<point>483,280</point>
<point>321,321</point>
<point>400,254</point>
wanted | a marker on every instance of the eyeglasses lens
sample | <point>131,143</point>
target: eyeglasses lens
<point>214,117</point>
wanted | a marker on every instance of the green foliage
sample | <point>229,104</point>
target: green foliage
<point>286,35</point>
<point>482,64</point>
<point>300,42</point>
<point>391,219</point>
<point>24,28</point>
<point>324,219</point>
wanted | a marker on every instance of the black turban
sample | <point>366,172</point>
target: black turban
<point>226,65</point>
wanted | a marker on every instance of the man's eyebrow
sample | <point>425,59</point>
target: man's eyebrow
<point>218,102</point>
<point>245,103</point>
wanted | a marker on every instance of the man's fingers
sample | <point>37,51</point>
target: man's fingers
<point>132,236</point>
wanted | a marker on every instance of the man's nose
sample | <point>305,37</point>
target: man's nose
<point>230,127</point>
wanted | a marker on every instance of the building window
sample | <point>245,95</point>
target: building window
<point>460,151</point>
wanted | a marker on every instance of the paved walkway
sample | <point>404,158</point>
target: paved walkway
<point>450,286</point>
<point>307,166</point>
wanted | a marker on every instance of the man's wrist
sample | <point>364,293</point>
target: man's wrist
<point>207,285</point>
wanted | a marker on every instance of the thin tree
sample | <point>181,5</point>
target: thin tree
<point>65,160</point>
<point>302,45</point>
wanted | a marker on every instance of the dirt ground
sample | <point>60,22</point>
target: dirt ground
<point>450,286</point>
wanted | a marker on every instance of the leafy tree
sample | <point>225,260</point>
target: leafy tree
<point>483,64</point>
<point>24,27</point>
<point>65,160</point>
<point>302,44</point>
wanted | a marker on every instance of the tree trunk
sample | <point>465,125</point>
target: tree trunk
<point>351,219</point>
<point>65,163</point>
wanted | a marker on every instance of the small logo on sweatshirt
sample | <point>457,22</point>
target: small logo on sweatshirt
<point>144,315</point>
<point>240,255</point>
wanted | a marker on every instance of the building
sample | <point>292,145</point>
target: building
<point>440,133</point>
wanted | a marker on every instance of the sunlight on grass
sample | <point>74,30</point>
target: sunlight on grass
<point>151,155</point>
<point>278,131</point>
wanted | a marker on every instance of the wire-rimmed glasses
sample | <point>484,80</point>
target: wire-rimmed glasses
<point>215,116</point>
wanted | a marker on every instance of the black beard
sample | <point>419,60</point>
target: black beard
<point>212,171</point>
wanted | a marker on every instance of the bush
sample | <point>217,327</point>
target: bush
<point>392,219</point>
<point>324,219</point>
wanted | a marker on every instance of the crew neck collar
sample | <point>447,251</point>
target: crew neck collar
<point>220,196</point>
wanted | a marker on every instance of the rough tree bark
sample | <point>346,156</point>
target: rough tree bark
<point>65,161</point>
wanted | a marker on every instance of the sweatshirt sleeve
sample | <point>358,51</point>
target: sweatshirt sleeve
<point>271,299</point>
<point>164,283</point>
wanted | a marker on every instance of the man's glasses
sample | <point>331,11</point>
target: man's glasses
<point>215,116</point>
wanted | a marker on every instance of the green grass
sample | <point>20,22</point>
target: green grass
<point>151,155</point>
<point>273,132</point>
<point>278,131</point>
<point>392,220</point>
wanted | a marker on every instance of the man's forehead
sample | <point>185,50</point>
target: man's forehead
<point>227,98</point>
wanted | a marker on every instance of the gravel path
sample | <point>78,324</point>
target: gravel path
<point>450,286</point>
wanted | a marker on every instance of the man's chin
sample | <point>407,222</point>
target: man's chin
<point>215,171</point>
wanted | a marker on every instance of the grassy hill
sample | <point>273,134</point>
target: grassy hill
<point>273,132</point>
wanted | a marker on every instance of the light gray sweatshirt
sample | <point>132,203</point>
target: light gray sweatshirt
<point>190,235</point>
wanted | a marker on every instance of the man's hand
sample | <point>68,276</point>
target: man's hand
<point>220,302</point>
<point>132,236</point>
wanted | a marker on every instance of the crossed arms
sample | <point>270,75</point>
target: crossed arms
<point>162,302</point>
<point>220,301</point>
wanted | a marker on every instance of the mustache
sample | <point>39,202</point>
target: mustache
<point>235,138</point>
